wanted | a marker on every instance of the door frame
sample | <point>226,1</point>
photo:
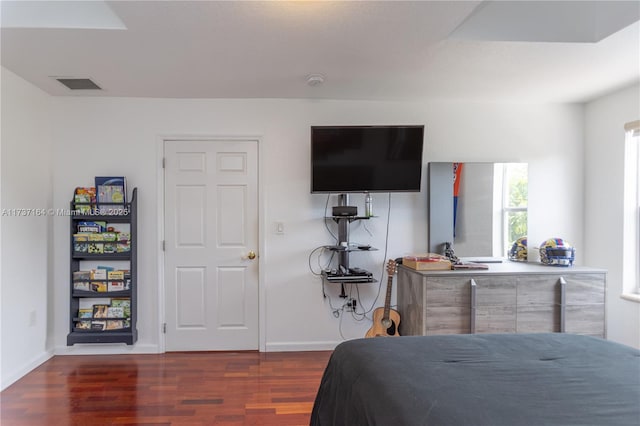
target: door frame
<point>160,179</point>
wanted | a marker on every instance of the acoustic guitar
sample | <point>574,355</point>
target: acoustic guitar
<point>386,320</point>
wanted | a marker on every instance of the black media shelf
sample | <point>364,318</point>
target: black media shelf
<point>344,248</point>
<point>347,279</point>
<point>349,218</point>
<point>351,248</point>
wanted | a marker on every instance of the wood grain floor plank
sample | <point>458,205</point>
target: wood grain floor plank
<point>185,388</point>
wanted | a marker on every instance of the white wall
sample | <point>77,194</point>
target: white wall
<point>604,160</point>
<point>95,136</point>
<point>25,184</point>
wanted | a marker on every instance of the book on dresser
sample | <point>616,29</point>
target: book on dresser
<point>427,262</point>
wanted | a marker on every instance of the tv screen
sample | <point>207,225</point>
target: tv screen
<point>366,158</point>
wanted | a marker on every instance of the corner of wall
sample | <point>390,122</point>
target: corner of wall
<point>25,267</point>
<point>14,376</point>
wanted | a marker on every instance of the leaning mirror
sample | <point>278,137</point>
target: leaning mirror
<point>480,207</point>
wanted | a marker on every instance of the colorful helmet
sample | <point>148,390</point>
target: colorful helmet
<point>518,250</point>
<point>556,251</point>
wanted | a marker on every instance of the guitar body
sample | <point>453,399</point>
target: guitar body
<point>379,329</point>
<point>386,320</point>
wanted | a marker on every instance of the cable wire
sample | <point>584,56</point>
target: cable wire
<point>339,311</point>
<point>326,218</point>
<point>384,261</point>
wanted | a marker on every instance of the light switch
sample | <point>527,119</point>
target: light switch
<point>279,227</point>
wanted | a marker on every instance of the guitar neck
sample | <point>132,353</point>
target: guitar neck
<point>387,298</point>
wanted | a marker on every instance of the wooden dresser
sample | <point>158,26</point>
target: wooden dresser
<point>509,297</point>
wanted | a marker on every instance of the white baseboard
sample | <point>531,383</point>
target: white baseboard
<point>110,349</point>
<point>105,349</point>
<point>301,346</point>
<point>29,366</point>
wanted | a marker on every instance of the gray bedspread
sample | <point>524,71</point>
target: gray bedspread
<point>480,380</point>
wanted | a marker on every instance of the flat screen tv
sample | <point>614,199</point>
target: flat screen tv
<point>366,158</point>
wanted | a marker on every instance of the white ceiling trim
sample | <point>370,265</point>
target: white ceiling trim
<point>59,14</point>
<point>547,21</point>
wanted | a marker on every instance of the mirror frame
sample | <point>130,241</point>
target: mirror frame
<point>441,210</point>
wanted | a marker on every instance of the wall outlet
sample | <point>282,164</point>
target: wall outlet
<point>350,305</point>
<point>32,318</point>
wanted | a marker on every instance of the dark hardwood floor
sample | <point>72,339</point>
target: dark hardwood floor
<point>195,388</point>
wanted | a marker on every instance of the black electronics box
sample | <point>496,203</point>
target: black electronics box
<point>345,210</point>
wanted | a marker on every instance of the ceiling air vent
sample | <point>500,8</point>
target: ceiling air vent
<point>79,83</point>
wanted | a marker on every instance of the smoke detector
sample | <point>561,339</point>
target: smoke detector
<point>315,79</point>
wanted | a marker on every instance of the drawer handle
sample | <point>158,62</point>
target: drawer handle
<point>473,306</point>
<point>563,300</point>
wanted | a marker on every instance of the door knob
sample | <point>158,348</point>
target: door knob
<point>251,255</point>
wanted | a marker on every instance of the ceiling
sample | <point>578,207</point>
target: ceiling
<point>524,51</point>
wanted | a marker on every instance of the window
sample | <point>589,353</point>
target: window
<point>512,179</point>
<point>631,220</point>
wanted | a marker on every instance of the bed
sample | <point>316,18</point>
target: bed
<point>482,379</point>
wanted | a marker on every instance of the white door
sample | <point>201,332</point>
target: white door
<point>211,233</point>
